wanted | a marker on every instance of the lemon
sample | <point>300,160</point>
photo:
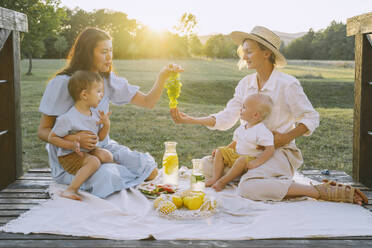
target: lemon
<point>167,207</point>
<point>186,200</point>
<point>177,200</point>
<point>195,202</point>
<point>159,200</point>
<point>170,164</point>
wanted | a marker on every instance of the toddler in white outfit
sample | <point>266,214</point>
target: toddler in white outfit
<point>242,153</point>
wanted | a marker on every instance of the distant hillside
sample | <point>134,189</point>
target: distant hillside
<point>286,37</point>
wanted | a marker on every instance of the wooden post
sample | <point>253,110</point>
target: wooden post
<point>11,23</point>
<point>361,27</point>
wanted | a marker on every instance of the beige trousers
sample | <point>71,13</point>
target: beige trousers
<point>270,181</point>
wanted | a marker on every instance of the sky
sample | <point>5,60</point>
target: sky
<point>225,16</point>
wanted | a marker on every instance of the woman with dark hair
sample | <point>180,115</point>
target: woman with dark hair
<point>92,51</point>
<point>292,116</point>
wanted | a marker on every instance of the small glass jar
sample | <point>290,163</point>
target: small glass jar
<point>197,179</point>
<point>170,164</point>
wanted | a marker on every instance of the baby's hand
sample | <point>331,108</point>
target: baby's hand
<point>213,153</point>
<point>104,119</point>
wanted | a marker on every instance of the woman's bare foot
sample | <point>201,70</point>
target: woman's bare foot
<point>210,182</point>
<point>218,186</point>
<point>71,194</point>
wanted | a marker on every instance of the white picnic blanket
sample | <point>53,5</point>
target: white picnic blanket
<point>128,215</point>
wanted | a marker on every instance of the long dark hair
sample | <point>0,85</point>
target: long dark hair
<point>81,54</point>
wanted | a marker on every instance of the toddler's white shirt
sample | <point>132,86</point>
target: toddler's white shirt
<point>247,139</point>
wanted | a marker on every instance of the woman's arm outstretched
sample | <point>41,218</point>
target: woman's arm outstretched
<point>150,99</point>
<point>182,118</point>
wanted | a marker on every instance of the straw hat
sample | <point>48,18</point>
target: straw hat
<point>264,36</point>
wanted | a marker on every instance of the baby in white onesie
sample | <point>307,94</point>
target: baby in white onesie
<point>242,153</point>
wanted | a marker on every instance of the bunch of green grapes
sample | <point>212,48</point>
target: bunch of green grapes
<point>173,86</point>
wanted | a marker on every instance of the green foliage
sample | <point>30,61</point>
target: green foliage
<point>44,18</point>
<point>60,45</point>
<point>196,47</point>
<point>220,46</point>
<point>186,24</point>
<point>328,44</point>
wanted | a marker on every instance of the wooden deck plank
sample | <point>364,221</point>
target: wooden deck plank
<point>185,243</point>
<point>4,220</point>
<point>37,174</point>
<point>17,206</point>
<point>24,195</point>
<point>35,236</point>
<point>39,170</point>
<point>20,201</point>
<point>30,184</point>
<point>27,177</point>
<point>10,213</point>
<point>21,190</point>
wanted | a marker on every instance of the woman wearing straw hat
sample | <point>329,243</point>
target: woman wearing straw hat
<point>292,116</point>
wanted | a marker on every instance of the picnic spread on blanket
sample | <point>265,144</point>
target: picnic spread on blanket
<point>180,211</point>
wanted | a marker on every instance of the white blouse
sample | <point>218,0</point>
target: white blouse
<point>291,105</point>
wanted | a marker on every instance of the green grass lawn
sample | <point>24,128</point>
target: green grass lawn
<point>207,86</point>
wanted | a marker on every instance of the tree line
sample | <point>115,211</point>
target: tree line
<point>52,30</point>
<point>328,44</point>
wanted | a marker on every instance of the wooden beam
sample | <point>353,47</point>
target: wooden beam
<point>13,20</point>
<point>362,141</point>
<point>4,34</point>
<point>360,24</point>
<point>16,104</point>
<point>357,105</point>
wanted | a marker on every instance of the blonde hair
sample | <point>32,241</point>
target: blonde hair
<point>82,80</point>
<point>264,104</point>
<point>242,63</point>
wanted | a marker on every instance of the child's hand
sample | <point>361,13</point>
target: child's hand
<point>77,147</point>
<point>214,152</point>
<point>104,119</point>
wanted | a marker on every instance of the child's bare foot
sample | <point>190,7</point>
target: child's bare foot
<point>210,182</point>
<point>218,186</point>
<point>71,194</point>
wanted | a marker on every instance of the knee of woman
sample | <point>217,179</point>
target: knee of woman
<point>248,189</point>
<point>93,162</point>
<point>107,157</point>
<point>153,174</point>
<point>207,166</point>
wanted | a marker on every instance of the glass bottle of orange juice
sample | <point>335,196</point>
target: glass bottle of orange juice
<point>170,164</point>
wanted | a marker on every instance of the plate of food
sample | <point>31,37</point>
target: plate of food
<point>153,190</point>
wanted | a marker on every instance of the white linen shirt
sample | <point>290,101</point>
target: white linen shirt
<point>247,139</point>
<point>291,105</point>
